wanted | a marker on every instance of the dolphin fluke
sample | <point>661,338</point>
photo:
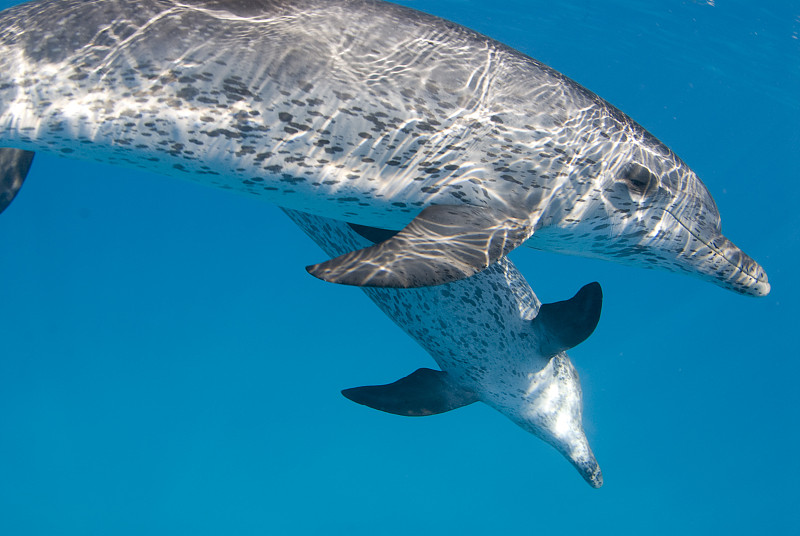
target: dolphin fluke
<point>444,243</point>
<point>423,392</point>
<point>565,324</point>
<point>14,166</point>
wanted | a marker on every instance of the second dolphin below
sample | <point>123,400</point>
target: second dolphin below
<point>494,341</point>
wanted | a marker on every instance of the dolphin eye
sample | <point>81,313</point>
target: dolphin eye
<point>639,179</point>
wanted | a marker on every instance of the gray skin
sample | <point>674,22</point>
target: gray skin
<point>367,112</point>
<point>483,333</point>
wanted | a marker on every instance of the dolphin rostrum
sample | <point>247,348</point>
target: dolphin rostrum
<point>364,111</point>
<point>494,341</point>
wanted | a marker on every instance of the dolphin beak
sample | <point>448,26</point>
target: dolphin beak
<point>718,260</point>
<point>583,459</point>
<point>709,255</point>
<point>736,270</point>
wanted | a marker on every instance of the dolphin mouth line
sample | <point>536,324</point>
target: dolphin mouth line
<point>712,248</point>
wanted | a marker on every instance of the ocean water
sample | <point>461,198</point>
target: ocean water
<point>168,367</point>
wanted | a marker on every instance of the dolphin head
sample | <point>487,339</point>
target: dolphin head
<point>551,409</point>
<point>665,212</point>
<point>652,210</point>
<point>543,394</point>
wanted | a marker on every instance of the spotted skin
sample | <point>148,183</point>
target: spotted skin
<point>359,110</point>
<point>479,331</point>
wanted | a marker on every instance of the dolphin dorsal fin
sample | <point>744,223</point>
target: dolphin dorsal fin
<point>562,325</point>
<point>423,392</point>
<point>14,166</point>
<point>373,234</point>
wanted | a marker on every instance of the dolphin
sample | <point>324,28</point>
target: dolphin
<point>494,342</point>
<point>363,111</point>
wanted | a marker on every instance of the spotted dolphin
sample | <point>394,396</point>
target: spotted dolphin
<point>494,342</point>
<point>364,111</point>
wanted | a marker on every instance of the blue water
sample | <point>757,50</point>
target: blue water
<point>168,367</point>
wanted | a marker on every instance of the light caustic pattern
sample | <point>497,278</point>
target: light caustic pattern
<point>362,111</point>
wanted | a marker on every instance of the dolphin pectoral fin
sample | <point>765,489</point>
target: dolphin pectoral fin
<point>423,392</point>
<point>444,243</point>
<point>562,325</point>
<point>14,166</point>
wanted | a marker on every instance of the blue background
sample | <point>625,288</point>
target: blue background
<point>167,366</point>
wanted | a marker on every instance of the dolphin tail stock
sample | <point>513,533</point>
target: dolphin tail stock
<point>14,166</point>
<point>565,324</point>
<point>423,392</point>
<point>444,243</point>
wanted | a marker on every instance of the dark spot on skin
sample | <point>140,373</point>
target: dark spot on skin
<point>234,89</point>
<point>292,180</point>
<point>509,178</point>
<point>285,117</point>
<point>223,132</point>
<point>188,93</point>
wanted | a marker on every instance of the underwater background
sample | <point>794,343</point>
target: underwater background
<point>167,366</point>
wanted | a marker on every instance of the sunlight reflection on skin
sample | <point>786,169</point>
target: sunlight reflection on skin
<point>479,331</point>
<point>364,112</point>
